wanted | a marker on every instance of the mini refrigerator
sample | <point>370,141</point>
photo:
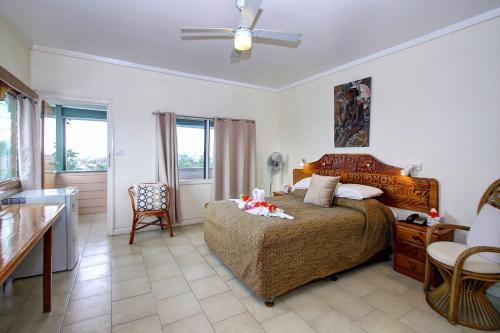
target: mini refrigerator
<point>64,244</point>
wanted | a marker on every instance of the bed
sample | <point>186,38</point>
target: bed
<point>273,256</point>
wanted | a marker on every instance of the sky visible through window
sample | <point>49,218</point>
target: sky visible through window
<point>86,145</point>
<point>191,151</point>
<point>191,145</point>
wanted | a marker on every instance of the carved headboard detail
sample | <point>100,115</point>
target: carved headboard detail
<point>418,194</point>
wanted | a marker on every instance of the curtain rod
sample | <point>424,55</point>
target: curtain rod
<point>9,82</point>
<point>187,117</point>
<point>232,119</point>
<point>205,118</point>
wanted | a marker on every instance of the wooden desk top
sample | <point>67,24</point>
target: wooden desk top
<point>21,227</point>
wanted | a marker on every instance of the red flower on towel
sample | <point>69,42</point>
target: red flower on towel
<point>245,197</point>
<point>272,208</point>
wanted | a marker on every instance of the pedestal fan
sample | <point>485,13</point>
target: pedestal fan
<point>274,165</point>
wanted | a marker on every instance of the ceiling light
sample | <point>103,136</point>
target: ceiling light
<point>242,40</point>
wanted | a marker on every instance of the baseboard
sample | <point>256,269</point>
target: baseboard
<point>188,222</point>
<point>121,231</point>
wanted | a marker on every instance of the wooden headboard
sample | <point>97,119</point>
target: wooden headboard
<point>418,194</point>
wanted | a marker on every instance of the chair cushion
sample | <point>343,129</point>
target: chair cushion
<point>150,197</point>
<point>448,252</point>
<point>486,231</point>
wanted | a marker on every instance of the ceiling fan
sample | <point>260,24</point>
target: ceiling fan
<point>244,33</point>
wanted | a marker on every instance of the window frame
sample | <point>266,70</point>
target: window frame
<point>13,183</point>
<point>63,113</point>
<point>208,124</point>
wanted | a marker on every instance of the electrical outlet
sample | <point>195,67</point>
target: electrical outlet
<point>418,167</point>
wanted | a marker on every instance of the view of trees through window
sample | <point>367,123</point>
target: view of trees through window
<point>86,145</point>
<point>192,142</point>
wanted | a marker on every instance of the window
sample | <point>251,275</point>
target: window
<point>85,145</point>
<point>8,139</point>
<point>195,139</point>
<point>75,140</point>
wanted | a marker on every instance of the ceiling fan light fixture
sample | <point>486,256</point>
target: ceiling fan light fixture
<point>243,40</point>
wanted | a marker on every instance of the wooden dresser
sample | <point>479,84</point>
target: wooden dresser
<point>409,248</point>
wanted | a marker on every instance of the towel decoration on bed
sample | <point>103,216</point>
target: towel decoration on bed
<point>256,205</point>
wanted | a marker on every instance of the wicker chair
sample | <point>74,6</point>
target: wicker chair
<point>461,297</point>
<point>138,217</point>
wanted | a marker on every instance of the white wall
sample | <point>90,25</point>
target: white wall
<point>135,94</point>
<point>14,55</point>
<point>437,103</point>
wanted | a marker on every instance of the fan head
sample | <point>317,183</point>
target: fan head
<point>275,163</point>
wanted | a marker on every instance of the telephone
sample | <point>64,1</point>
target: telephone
<point>416,219</point>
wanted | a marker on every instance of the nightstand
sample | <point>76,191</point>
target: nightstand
<point>409,249</point>
<point>278,193</point>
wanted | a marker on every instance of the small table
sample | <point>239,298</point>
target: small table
<point>410,246</point>
<point>21,227</point>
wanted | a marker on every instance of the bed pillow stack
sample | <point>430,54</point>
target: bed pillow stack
<point>321,190</point>
<point>357,191</point>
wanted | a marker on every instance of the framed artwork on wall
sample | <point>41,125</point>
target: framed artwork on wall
<point>352,113</point>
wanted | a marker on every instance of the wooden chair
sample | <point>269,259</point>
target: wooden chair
<point>138,217</point>
<point>461,297</point>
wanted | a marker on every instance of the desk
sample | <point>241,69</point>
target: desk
<point>21,227</point>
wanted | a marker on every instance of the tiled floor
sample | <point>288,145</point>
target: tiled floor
<point>171,285</point>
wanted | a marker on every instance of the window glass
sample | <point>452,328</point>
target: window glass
<point>49,143</point>
<point>8,139</point>
<point>191,150</point>
<point>211,152</point>
<point>86,145</point>
<point>194,141</point>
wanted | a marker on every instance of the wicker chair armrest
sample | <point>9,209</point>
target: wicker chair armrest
<point>440,226</point>
<point>471,251</point>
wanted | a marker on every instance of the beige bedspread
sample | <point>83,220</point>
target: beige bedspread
<point>272,256</point>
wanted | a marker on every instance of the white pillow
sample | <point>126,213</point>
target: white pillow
<point>486,231</point>
<point>357,191</point>
<point>302,184</point>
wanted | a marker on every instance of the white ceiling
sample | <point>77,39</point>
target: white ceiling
<point>335,32</point>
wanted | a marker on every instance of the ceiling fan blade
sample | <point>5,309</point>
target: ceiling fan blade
<point>279,35</point>
<point>249,12</point>
<point>195,30</point>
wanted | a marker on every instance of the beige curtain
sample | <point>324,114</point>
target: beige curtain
<point>235,165</point>
<point>167,160</point>
<point>27,144</point>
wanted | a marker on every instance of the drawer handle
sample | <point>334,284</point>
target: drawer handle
<point>413,267</point>
<point>415,237</point>
<point>414,252</point>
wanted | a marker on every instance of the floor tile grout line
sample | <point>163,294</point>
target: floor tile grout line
<point>25,300</point>
<point>77,266</point>
<point>191,291</point>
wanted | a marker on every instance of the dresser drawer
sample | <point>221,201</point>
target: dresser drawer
<point>409,250</point>
<point>411,236</point>
<point>409,267</point>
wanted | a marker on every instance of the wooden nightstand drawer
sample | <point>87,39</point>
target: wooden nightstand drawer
<point>410,267</point>
<point>410,250</point>
<point>410,235</point>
